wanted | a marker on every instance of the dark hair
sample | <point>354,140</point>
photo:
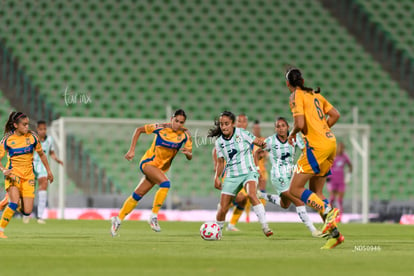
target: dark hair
<point>41,122</point>
<point>256,122</point>
<point>216,130</point>
<point>294,77</point>
<point>180,112</point>
<point>14,117</point>
<point>283,119</point>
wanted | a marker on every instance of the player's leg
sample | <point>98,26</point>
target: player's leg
<point>156,175</point>
<point>42,196</point>
<point>262,185</point>
<point>341,203</point>
<point>130,203</point>
<point>240,204</point>
<point>258,207</point>
<point>4,202</point>
<point>14,197</point>
<point>225,202</point>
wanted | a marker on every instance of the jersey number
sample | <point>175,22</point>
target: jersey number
<point>232,153</point>
<point>318,109</point>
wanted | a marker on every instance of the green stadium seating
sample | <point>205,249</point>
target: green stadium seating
<point>134,58</point>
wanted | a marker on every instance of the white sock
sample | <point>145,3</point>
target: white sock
<point>275,199</point>
<point>154,215</point>
<point>42,203</point>
<point>303,215</point>
<point>259,210</point>
<point>221,224</point>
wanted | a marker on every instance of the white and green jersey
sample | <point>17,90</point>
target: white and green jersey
<point>47,146</point>
<point>281,155</point>
<point>237,152</point>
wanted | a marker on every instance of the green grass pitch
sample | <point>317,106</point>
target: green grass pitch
<point>86,248</point>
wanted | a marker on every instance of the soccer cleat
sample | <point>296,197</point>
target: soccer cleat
<point>318,234</point>
<point>330,220</point>
<point>4,202</point>
<point>41,221</point>
<point>116,223</point>
<point>153,222</point>
<point>333,242</point>
<point>2,236</point>
<point>232,228</point>
<point>267,231</point>
<point>26,219</point>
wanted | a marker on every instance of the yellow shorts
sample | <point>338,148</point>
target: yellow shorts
<point>317,161</point>
<point>25,186</point>
<point>153,162</point>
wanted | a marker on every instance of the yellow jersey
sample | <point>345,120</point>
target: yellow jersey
<point>314,107</point>
<point>20,149</point>
<point>165,145</point>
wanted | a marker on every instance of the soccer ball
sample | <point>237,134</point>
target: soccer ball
<point>210,231</point>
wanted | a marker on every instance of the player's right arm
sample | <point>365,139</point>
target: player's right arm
<point>131,152</point>
<point>333,116</point>
<point>219,173</point>
<point>2,154</point>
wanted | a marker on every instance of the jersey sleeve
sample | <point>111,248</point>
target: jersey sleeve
<point>247,136</point>
<point>296,103</point>
<point>268,142</point>
<point>326,105</point>
<point>52,142</point>
<point>150,128</point>
<point>219,150</point>
<point>347,160</point>
<point>37,144</point>
<point>3,147</point>
<point>189,143</point>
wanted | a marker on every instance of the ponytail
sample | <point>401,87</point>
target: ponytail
<point>216,130</point>
<point>294,77</point>
<point>14,117</point>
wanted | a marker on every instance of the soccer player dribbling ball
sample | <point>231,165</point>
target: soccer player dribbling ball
<point>233,147</point>
<point>20,143</point>
<point>313,116</point>
<point>169,139</point>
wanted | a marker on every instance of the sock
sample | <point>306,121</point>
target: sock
<point>160,197</point>
<point>247,210</point>
<point>220,224</point>
<point>259,210</point>
<point>332,200</point>
<point>275,199</point>
<point>129,205</point>
<point>312,200</point>
<point>42,203</point>
<point>237,212</point>
<point>8,214</point>
<point>303,215</point>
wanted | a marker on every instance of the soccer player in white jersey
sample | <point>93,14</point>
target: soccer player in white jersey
<point>281,155</point>
<point>233,146</point>
<point>40,171</point>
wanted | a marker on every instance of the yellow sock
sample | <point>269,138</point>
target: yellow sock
<point>6,217</point>
<point>247,210</point>
<point>129,205</point>
<point>263,201</point>
<point>159,199</point>
<point>316,203</point>
<point>236,215</point>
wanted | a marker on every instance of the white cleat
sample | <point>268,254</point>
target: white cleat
<point>318,234</point>
<point>116,223</point>
<point>26,219</point>
<point>232,228</point>
<point>41,221</point>
<point>153,222</point>
<point>267,231</point>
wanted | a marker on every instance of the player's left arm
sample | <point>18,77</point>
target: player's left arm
<point>54,157</point>
<point>349,163</point>
<point>188,146</point>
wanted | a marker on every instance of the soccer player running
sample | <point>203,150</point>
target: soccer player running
<point>233,147</point>
<point>309,110</point>
<point>168,140</point>
<point>336,181</point>
<point>281,156</point>
<point>40,170</point>
<point>20,143</point>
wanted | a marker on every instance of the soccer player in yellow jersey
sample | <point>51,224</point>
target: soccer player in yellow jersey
<point>313,116</point>
<point>19,143</point>
<point>169,139</point>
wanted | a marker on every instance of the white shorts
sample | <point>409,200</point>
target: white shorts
<point>39,170</point>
